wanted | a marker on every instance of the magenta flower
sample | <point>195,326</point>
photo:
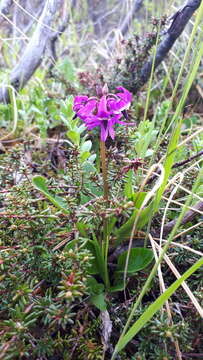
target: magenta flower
<point>105,111</point>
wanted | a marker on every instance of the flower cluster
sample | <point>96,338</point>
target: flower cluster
<point>105,111</point>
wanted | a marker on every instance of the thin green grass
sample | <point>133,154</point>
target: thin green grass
<point>153,308</point>
<point>160,301</point>
<point>177,123</point>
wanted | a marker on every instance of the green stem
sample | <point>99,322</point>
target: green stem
<point>104,169</point>
<point>105,244</point>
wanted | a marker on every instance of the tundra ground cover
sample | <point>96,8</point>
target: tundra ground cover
<point>98,219</point>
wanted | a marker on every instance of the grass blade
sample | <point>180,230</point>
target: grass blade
<point>153,308</point>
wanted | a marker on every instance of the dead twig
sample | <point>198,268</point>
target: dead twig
<point>189,216</point>
<point>179,21</point>
<point>34,51</point>
<point>177,164</point>
<point>124,28</point>
<point>5,6</point>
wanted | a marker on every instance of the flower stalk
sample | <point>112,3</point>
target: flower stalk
<point>104,169</point>
<point>105,111</point>
<point>105,243</point>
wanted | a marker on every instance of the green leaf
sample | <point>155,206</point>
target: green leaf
<point>86,146</point>
<point>67,69</point>
<point>90,186</point>
<point>168,162</point>
<point>118,283</point>
<point>81,129</point>
<point>98,265</point>
<point>144,136</point>
<point>139,259</point>
<point>74,136</point>
<point>125,230</point>
<point>82,228</point>
<point>95,287</point>
<point>128,191</point>
<point>71,245</point>
<point>66,108</point>
<point>97,297</point>
<point>93,268</point>
<point>69,104</point>
<point>84,156</point>
<point>138,199</point>
<point>39,183</point>
<point>149,153</point>
<point>99,301</point>
<point>88,167</point>
<point>111,223</point>
<point>92,158</point>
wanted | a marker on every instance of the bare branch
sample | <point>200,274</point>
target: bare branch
<point>64,24</point>
<point>55,37</point>
<point>180,20</point>
<point>95,9</point>
<point>189,216</point>
<point>5,6</point>
<point>176,165</point>
<point>129,17</point>
<point>124,28</point>
<point>33,54</point>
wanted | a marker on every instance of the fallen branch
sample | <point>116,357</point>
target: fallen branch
<point>96,10</point>
<point>139,241</point>
<point>179,21</point>
<point>181,163</point>
<point>34,51</point>
<point>59,32</point>
<point>177,164</point>
<point>56,35</point>
<point>5,6</point>
<point>189,216</point>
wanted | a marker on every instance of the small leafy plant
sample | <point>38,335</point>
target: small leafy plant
<point>98,242</point>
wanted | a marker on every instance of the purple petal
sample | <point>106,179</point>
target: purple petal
<point>92,123</point>
<point>125,123</point>
<point>124,94</point>
<point>121,122</point>
<point>102,108</point>
<point>87,109</point>
<point>79,101</point>
<point>120,106</point>
<point>116,117</point>
<point>105,112</point>
<point>120,102</point>
<point>104,132</point>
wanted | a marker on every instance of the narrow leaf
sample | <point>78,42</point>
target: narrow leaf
<point>39,183</point>
<point>153,308</point>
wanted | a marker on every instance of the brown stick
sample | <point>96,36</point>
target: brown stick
<point>129,17</point>
<point>189,216</point>
<point>5,6</point>
<point>180,20</point>
<point>177,164</point>
<point>33,54</point>
<point>181,163</point>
